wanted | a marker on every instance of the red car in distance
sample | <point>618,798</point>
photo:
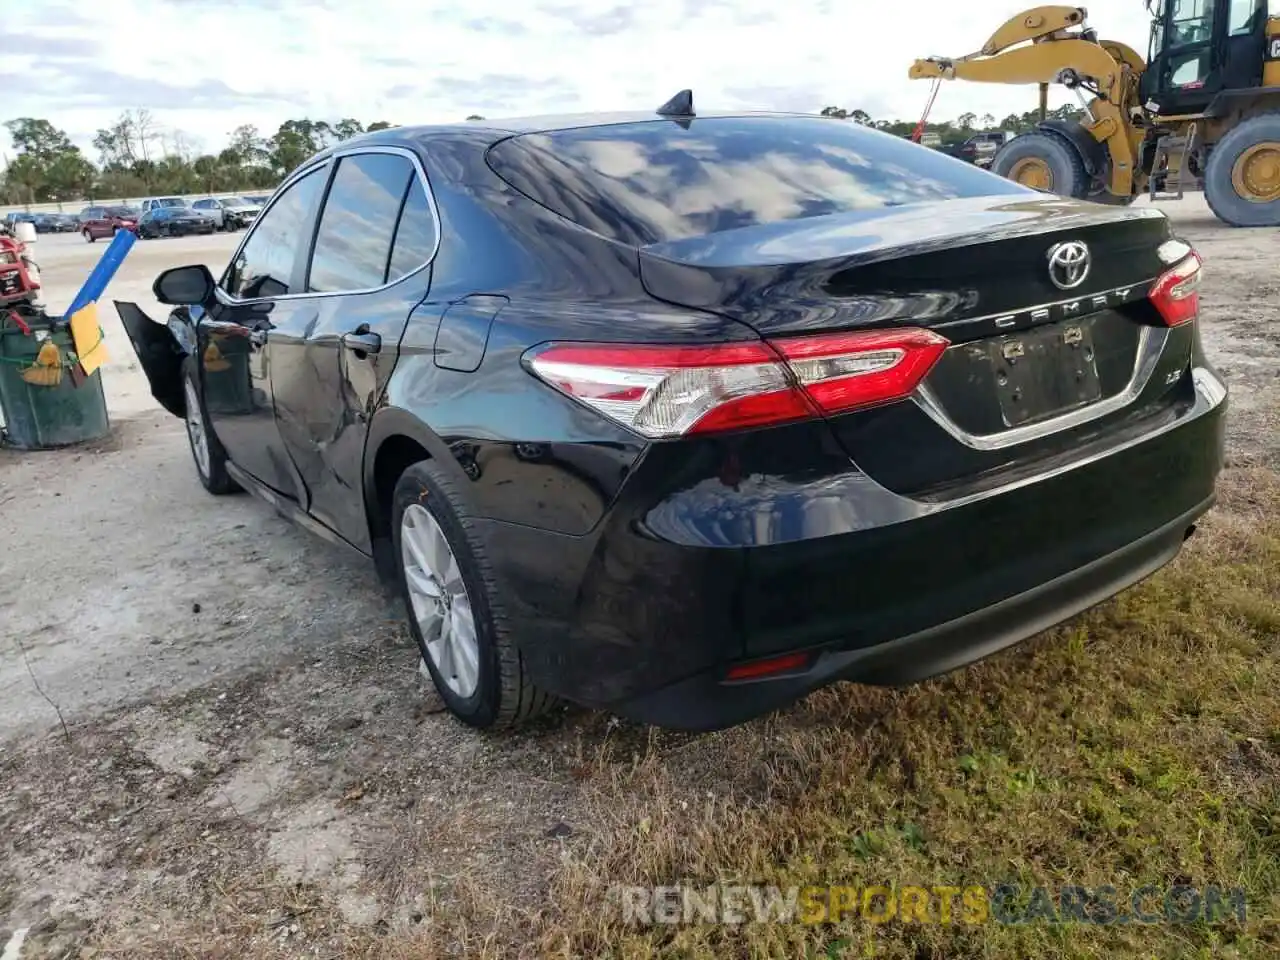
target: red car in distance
<point>98,223</point>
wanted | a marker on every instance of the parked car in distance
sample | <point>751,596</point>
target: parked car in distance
<point>13,219</point>
<point>150,203</point>
<point>981,148</point>
<point>228,213</point>
<point>57,223</point>
<point>260,199</point>
<point>684,417</point>
<point>173,222</point>
<point>98,223</point>
<point>43,222</point>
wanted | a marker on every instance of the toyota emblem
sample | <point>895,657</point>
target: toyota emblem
<point>1068,264</point>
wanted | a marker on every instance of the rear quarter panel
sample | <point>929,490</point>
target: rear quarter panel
<point>524,453</point>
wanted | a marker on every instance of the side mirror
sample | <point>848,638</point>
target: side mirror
<point>184,286</point>
<point>24,231</point>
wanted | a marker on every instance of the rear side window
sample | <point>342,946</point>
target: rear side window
<point>415,239</point>
<point>654,181</point>
<point>358,224</point>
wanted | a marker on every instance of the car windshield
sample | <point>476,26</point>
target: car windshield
<point>121,212</point>
<point>235,202</point>
<point>171,202</point>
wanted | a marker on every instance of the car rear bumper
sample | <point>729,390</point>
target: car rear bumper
<point>706,702</point>
<point>646,615</point>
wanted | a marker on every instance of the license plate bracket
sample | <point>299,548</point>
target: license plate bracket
<point>1045,371</point>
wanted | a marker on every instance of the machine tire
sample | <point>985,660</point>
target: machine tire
<point>1219,181</point>
<point>504,694</point>
<point>88,237</point>
<point>1065,166</point>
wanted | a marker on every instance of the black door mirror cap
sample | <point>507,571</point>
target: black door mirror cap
<point>184,286</point>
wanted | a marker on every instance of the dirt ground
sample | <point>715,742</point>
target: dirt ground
<point>212,728</point>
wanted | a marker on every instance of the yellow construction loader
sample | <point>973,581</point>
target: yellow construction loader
<point>1202,112</point>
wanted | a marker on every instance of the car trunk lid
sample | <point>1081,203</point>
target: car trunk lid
<point>1040,347</point>
<point>929,264</point>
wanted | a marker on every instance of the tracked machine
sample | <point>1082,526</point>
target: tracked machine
<point>1202,112</point>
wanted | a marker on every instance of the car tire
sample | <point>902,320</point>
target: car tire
<point>482,678</point>
<point>208,454</point>
<point>88,237</point>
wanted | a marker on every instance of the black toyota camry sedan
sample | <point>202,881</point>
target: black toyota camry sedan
<point>685,416</point>
<point>173,222</point>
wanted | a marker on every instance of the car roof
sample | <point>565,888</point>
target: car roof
<point>500,129</point>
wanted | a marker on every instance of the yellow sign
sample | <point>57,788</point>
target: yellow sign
<point>86,334</point>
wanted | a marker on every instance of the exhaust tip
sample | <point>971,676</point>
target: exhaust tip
<point>1186,534</point>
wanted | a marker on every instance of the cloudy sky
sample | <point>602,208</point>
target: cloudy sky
<point>206,66</point>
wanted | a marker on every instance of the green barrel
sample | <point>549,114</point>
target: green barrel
<point>34,417</point>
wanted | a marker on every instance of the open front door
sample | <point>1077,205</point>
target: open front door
<point>159,352</point>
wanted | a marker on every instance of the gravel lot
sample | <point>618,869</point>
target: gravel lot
<point>192,687</point>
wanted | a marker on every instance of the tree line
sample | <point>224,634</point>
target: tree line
<point>136,156</point>
<point>954,132</point>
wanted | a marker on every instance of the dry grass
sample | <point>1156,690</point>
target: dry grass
<point>1139,745</point>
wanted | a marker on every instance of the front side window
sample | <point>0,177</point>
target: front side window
<point>353,241</point>
<point>264,266</point>
<point>1192,22</point>
<point>655,181</point>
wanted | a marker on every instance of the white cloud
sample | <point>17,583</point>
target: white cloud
<point>205,67</point>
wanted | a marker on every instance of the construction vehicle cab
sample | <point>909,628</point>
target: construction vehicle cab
<point>1202,112</point>
<point>1200,49</point>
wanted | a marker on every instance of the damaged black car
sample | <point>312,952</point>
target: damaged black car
<point>685,416</point>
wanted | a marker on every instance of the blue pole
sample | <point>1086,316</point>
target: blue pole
<point>101,275</point>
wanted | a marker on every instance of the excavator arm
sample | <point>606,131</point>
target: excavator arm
<point>1057,47</point>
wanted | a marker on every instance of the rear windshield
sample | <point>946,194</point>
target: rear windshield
<point>654,181</point>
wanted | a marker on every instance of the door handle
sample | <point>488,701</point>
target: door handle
<point>362,341</point>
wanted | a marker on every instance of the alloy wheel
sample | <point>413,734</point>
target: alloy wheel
<point>440,602</point>
<point>195,430</point>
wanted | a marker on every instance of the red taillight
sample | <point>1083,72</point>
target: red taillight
<point>670,391</point>
<point>1176,293</point>
<point>757,669</point>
